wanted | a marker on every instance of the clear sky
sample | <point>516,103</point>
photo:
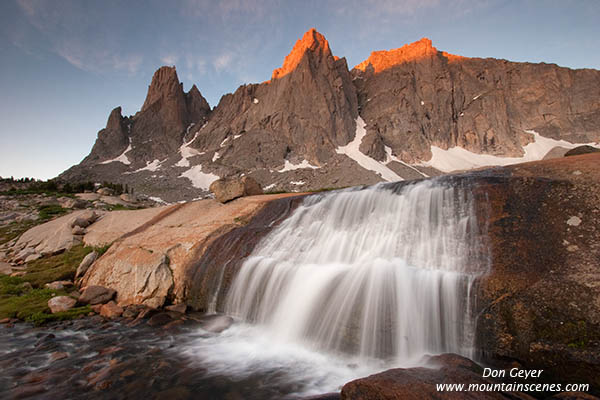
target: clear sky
<point>65,64</point>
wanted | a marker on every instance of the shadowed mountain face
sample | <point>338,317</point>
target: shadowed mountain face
<point>303,129</point>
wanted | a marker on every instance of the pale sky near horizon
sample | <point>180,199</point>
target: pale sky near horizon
<point>67,63</point>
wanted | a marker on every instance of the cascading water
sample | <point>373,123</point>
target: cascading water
<point>384,272</point>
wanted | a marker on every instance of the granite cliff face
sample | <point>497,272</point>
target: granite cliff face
<point>154,133</point>
<point>416,96</point>
<point>423,111</point>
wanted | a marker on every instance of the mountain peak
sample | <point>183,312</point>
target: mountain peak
<point>312,41</point>
<point>384,59</point>
<point>164,83</point>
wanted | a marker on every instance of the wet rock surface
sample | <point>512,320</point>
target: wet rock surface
<point>420,383</point>
<point>95,358</point>
<point>538,306</point>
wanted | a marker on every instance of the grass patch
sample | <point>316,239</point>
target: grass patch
<point>102,249</point>
<point>56,268</point>
<point>120,207</point>
<point>40,318</point>
<point>48,212</point>
<point>14,230</point>
<point>25,192</point>
<point>20,301</point>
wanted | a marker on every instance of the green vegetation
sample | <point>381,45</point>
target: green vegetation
<point>120,207</point>
<point>57,187</point>
<point>102,249</point>
<point>19,300</point>
<point>56,268</point>
<point>50,211</point>
<point>14,230</point>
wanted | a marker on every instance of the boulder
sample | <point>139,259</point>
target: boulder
<point>33,257</point>
<point>84,219</point>
<point>68,202</point>
<point>96,295</point>
<point>85,264</point>
<point>153,262</point>
<point>54,236</point>
<point>539,303</point>
<point>582,150</point>
<point>149,278</point>
<point>61,303</point>
<point>88,196</point>
<point>115,224</point>
<point>227,189</point>
<point>78,230</point>
<point>58,285</point>
<point>105,192</point>
<point>160,319</point>
<point>133,310</point>
<point>111,310</point>
<point>421,383</point>
<point>5,268</point>
<point>23,254</point>
<point>129,198</point>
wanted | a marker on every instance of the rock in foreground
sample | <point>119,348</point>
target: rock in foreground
<point>421,383</point>
<point>61,303</point>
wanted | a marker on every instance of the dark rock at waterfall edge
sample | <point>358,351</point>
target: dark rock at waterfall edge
<point>160,319</point>
<point>581,150</point>
<point>420,383</point>
<point>538,305</point>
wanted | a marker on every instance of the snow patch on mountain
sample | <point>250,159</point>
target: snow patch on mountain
<point>352,150</point>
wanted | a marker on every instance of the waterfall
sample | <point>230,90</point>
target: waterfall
<point>383,272</point>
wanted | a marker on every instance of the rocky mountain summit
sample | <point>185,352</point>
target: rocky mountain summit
<point>406,113</point>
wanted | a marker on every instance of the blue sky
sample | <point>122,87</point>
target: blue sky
<point>66,64</point>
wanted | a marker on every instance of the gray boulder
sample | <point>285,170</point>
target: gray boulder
<point>85,264</point>
<point>228,189</point>
<point>96,295</point>
<point>582,150</point>
<point>61,303</point>
<point>5,268</point>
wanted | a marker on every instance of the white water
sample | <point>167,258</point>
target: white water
<point>367,273</point>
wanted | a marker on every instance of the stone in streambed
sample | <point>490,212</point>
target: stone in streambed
<point>216,323</point>
<point>111,310</point>
<point>58,355</point>
<point>160,319</point>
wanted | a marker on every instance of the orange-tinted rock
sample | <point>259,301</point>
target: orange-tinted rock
<point>385,59</point>
<point>111,310</point>
<point>312,41</point>
<point>150,264</point>
<point>228,189</point>
<point>421,383</point>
